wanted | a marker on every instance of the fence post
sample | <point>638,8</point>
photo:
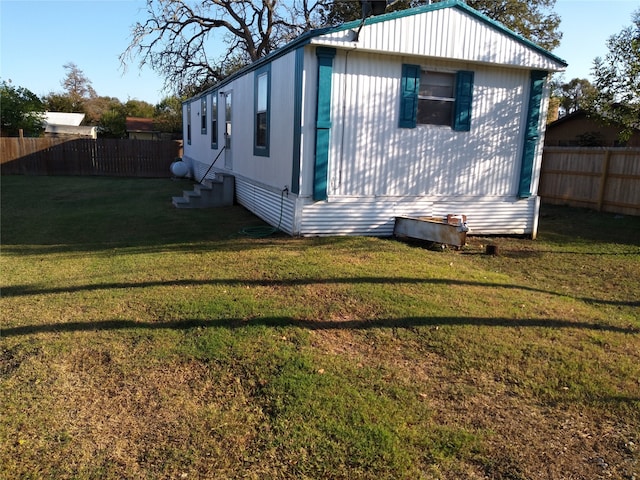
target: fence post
<point>603,179</point>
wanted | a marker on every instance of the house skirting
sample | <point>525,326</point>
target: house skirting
<point>375,216</point>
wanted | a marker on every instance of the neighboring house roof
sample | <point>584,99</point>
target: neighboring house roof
<point>63,118</point>
<point>567,130</point>
<point>137,124</point>
<point>335,37</point>
<point>580,114</point>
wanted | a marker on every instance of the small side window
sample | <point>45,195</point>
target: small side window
<point>214,120</point>
<point>262,103</point>
<point>203,115</point>
<point>189,123</point>
<point>261,112</point>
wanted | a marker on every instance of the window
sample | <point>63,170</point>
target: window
<point>189,123</point>
<point>261,112</point>
<point>203,115</point>
<point>214,120</point>
<point>436,98</point>
<point>262,104</point>
<point>228,110</point>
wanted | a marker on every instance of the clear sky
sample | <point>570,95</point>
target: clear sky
<point>37,37</point>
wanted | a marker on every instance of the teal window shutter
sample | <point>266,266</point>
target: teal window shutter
<point>464,100</point>
<point>532,134</point>
<point>409,100</point>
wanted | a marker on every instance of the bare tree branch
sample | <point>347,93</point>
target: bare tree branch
<point>177,36</point>
<point>196,43</point>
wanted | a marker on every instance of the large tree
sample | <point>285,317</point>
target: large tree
<point>535,20</point>
<point>95,107</point>
<point>77,86</point>
<point>59,102</point>
<point>168,115</point>
<point>139,108</point>
<point>617,79</point>
<point>179,37</point>
<point>78,92</point>
<point>574,95</point>
<point>113,122</point>
<point>21,110</point>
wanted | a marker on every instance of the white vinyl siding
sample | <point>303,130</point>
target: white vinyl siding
<point>377,169</point>
<point>371,157</point>
<point>448,33</point>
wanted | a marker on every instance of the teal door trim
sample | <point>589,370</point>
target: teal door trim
<point>532,132</point>
<point>323,122</point>
<point>297,120</point>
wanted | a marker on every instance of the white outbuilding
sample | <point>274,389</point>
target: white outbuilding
<point>430,111</point>
<point>63,124</point>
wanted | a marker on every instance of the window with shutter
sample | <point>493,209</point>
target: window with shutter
<point>436,98</point>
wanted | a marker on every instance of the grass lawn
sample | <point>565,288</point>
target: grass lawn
<point>144,342</point>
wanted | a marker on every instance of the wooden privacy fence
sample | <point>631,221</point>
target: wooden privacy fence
<point>605,179</point>
<point>85,156</point>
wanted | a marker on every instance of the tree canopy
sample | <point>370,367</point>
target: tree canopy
<point>168,115</point>
<point>179,37</point>
<point>77,86</point>
<point>577,94</point>
<point>21,110</point>
<point>617,79</point>
<point>535,20</point>
<point>78,92</point>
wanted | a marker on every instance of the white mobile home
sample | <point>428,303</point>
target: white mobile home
<point>424,112</point>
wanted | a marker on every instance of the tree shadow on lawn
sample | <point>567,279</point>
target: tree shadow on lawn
<point>360,324</point>
<point>26,290</point>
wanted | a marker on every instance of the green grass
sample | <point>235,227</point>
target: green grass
<point>141,341</point>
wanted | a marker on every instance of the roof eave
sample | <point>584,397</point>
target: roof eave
<point>450,4</point>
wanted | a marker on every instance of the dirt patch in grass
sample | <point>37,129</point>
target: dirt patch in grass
<point>522,438</point>
<point>104,415</point>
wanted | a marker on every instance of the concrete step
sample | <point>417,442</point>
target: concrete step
<point>180,202</point>
<point>218,192</point>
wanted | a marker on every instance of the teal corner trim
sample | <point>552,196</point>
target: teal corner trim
<point>323,122</point>
<point>262,150</point>
<point>297,120</point>
<point>532,132</point>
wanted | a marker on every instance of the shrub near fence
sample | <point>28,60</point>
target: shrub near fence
<point>604,179</point>
<point>83,156</point>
